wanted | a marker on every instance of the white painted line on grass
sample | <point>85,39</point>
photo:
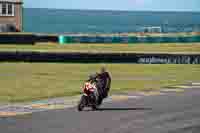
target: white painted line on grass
<point>198,84</point>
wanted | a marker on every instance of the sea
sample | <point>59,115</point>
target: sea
<point>104,21</point>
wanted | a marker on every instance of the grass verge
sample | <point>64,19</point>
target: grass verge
<point>33,81</point>
<point>131,48</point>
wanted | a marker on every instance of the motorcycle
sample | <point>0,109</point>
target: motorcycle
<point>89,97</point>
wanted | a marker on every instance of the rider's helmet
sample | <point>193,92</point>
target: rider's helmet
<point>92,77</point>
<point>103,69</point>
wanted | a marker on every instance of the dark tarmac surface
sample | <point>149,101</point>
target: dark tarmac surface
<point>171,113</point>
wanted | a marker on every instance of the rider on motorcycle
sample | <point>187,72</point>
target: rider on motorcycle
<point>90,95</point>
<point>102,83</point>
<point>90,85</point>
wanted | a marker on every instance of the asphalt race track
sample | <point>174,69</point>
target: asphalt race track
<point>171,113</point>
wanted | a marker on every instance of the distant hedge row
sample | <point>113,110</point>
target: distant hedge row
<point>33,38</point>
<point>121,39</point>
<point>27,39</point>
<point>100,57</point>
<point>17,39</point>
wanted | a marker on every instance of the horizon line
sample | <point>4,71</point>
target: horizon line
<point>114,10</point>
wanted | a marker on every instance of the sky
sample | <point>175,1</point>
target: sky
<point>132,5</point>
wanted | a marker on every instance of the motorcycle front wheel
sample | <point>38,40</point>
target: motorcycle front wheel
<point>82,103</point>
<point>99,101</point>
<point>94,107</point>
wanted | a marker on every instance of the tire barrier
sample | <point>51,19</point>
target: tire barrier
<point>128,39</point>
<point>100,58</point>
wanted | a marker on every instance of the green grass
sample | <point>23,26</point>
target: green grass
<point>134,48</point>
<point>33,81</point>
